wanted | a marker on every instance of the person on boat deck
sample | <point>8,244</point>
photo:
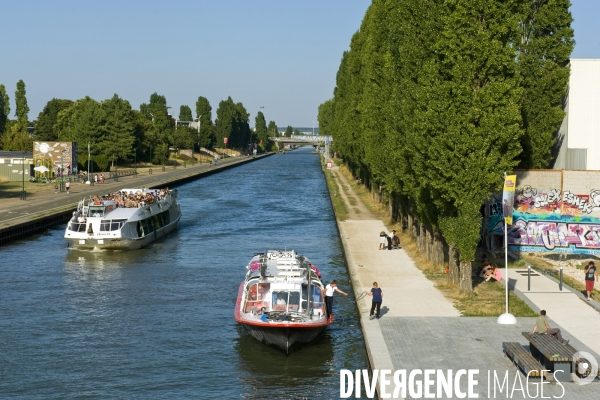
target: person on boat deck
<point>281,300</point>
<point>329,289</point>
<point>80,219</point>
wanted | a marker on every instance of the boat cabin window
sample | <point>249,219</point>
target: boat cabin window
<point>111,224</point>
<point>316,300</point>
<point>286,300</point>
<point>258,297</point>
<point>96,211</point>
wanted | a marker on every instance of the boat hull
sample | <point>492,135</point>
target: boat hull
<point>120,243</point>
<point>285,338</point>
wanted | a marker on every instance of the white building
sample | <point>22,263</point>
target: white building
<point>580,130</point>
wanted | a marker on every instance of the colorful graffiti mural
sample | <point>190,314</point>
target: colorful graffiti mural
<point>549,221</point>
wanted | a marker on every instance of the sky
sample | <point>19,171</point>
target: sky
<point>276,56</point>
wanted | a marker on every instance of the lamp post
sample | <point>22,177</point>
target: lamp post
<point>150,155</point>
<point>135,169</point>
<point>23,173</point>
<point>62,168</point>
<point>199,116</point>
<point>88,175</point>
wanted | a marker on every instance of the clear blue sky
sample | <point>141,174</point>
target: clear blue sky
<point>279,54</point>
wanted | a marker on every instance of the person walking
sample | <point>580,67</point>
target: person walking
<point>377,295</point>
<point>543,327</point>
<point>329,289</point>
<point>591,275</point>
<point>68,186</point>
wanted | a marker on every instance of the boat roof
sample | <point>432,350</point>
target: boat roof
<point>277,264</point>
<point>119,213</point>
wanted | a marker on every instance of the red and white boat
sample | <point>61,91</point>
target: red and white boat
<point>281,300</point>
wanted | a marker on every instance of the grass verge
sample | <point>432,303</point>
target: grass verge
<point>339,206</point>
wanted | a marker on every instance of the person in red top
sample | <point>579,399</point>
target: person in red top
<point>591,275</point>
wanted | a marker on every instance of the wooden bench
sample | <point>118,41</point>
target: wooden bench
<point>554,355</point>
<point>523,359</point>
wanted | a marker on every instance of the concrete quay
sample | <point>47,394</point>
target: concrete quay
<point>420,329</point>
<point>22,218</point>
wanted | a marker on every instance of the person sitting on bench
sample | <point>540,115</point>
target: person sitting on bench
<point>542,325</point>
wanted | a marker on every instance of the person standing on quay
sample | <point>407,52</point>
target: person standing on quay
<point>377,295</point>
<point>591,275</point>
<point>329,289</point>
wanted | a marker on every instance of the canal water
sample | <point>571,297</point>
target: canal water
<point>158,322</point>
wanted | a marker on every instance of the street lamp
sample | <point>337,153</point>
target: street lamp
<point>23,173</point>
<point>135,169</point>
<point>199,116</point>
<point>62,168</point>
<point>88,175</point>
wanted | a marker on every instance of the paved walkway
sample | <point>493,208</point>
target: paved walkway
<point>421,329</point>
<point>565,308</point>
<point>406,291</point>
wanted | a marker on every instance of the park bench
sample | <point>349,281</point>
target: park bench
<point>555,356</point>
<point>524,359</point>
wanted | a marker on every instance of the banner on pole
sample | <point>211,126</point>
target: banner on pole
<point>508,198</point>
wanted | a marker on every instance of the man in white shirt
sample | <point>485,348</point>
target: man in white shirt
<point>329,289</point>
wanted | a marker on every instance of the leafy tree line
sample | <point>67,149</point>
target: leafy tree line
<point>117,133</point>
<point>436,99</point>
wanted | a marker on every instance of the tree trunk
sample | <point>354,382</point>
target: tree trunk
<point>453,274</point>
<point>438,250</point>
<point>428,244</point>
<point>466,282</point>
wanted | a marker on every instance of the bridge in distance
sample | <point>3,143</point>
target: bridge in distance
<point>299,140</point>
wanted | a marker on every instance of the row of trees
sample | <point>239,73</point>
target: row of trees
<point>435,100</point>
<point>117,133</point>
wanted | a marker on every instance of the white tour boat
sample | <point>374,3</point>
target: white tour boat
<point>281,300</point>
<point>128,219</point>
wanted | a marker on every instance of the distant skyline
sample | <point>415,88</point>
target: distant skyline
<point>279,55</point>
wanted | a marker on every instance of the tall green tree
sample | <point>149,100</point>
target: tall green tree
<point>44,129</point>
<point>545,47</point>
<point>225,122</point>
<point>185,113</point>
<point>243,135</point>
<point>272,129</point>
<point>288,131</point>
<point>260,128</point>
<point>118,140</point>
<point>83,122</point>
<point>325,118</point>
<point>22,109</point>
<point>207,128</point>
<point>4,110</point>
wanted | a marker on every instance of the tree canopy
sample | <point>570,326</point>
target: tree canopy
<point>435,100</point>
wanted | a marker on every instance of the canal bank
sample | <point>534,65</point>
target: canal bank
<point>19,218</point>
<point>420,329</point>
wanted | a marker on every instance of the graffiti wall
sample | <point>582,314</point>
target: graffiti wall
<point>562,217</point>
